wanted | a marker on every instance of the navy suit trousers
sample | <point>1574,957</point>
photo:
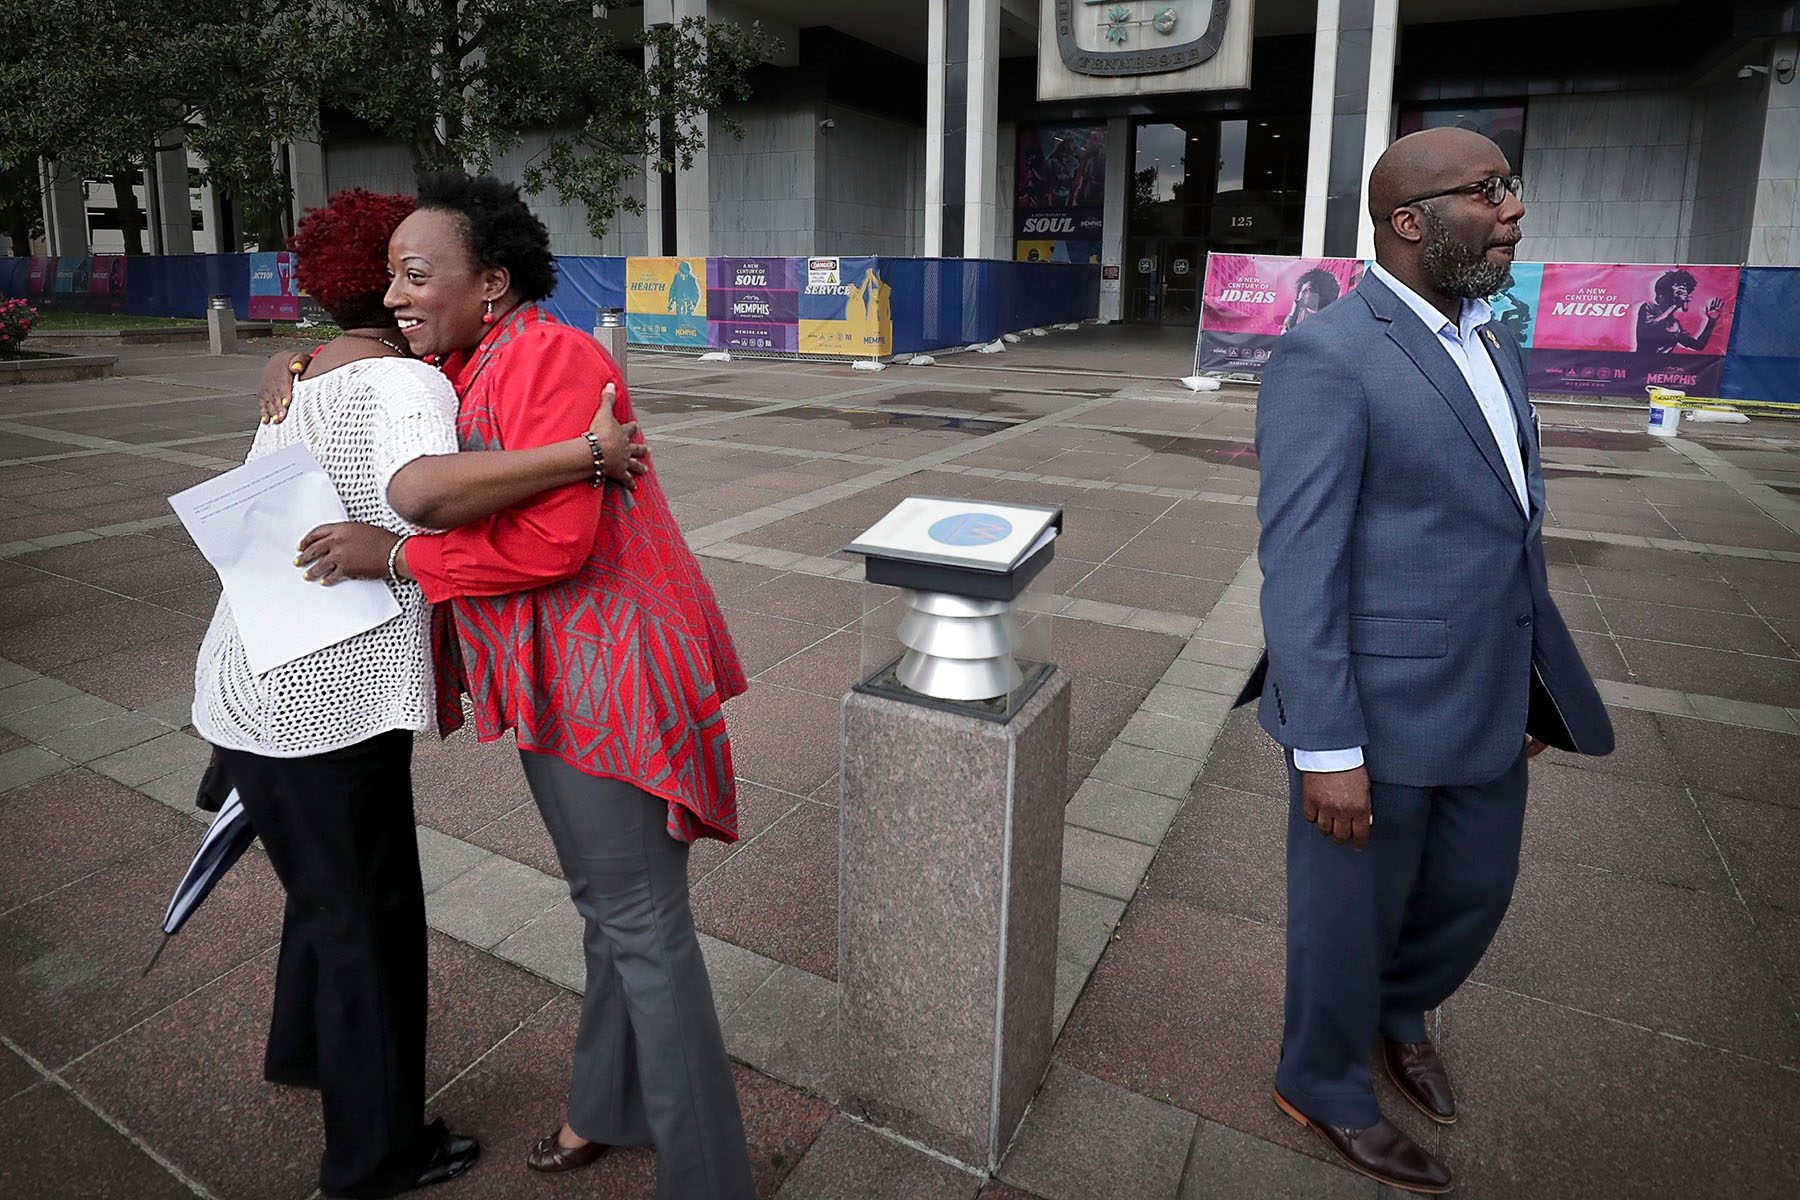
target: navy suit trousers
<point>1378,938</point>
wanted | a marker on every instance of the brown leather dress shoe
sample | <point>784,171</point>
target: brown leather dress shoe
<point>552,1157</point>
<point>1380,1151</point>
<point>1419,1073</point>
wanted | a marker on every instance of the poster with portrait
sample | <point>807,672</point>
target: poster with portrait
<point>273,292</point>
<point>665,302</point>
<point>753,304</point>
<point>41,277</point>
<point>1611,329</point>
<point>1250,300</point>
<point>1059,193</point>
<point>69,291</point>
<point>106,283</point>
<point>845,309</point>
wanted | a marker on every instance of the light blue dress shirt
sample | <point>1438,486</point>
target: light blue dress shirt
<point>1462,342</point>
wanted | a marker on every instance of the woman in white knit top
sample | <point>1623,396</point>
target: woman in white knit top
<point>320,749</point>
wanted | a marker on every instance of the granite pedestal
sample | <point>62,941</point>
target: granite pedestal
<point>221,328</point>
<point>950,864</point>
<point>612,337</point>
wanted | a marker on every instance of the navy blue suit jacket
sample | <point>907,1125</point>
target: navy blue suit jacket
<point>1405,603</point>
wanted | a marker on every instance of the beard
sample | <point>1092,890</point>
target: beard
<point>1457,268</point>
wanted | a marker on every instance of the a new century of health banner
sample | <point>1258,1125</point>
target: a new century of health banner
<point>665,301</point>
<point>1587,328</point>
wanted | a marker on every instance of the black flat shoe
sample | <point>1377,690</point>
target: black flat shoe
<point>454,1155</point>
<point>451,1155</point>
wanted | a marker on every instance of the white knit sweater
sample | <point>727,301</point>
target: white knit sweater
<point>363,422</point>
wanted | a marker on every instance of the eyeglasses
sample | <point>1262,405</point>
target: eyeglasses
<point>1493,189</point>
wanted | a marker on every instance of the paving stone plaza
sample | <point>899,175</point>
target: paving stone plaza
<point>1634,1031</point>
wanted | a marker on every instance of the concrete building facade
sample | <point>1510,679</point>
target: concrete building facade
<point>1645,130</point>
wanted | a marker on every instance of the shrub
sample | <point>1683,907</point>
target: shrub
<point>16,317</point>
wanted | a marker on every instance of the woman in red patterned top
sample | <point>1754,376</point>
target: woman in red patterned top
<point>583,624</point>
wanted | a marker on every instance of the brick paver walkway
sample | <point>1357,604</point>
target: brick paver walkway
<point>1633,1032</point>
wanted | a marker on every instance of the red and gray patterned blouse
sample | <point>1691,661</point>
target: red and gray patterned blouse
<point>581,619</point>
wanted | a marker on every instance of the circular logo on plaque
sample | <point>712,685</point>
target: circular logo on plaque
<point>970,529</point>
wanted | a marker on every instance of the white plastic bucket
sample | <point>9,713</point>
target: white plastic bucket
<point>1665,411</point>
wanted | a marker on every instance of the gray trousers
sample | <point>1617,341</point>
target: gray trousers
<point>650,1062</point>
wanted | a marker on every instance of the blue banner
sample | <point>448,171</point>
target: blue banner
<point>1763,362</point>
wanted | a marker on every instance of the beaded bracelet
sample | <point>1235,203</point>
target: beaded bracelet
<point>394,557</point>
<point>599,459</point>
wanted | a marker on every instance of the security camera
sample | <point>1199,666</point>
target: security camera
<point>1752,70</point>
<point>828,123</point>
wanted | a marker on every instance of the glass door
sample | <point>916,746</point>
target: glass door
<point>1183,266</point>
<point>1173,167</point>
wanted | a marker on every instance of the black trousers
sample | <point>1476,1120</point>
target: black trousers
<point>350,990</point>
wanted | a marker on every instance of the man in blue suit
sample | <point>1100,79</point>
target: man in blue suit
<point>1416,660</point>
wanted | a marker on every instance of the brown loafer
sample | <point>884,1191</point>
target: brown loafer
<point>1379,1151</point>
<point>552,1157</point>
<point>1419,1073</point>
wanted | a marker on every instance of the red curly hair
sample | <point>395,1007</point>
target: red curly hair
<point>342,251</point>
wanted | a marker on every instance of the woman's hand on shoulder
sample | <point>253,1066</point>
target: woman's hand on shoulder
<point>624,457</point>
<point>276,388</point>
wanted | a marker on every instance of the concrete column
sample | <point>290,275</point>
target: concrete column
<point>934,129</point>
<point>1775,221</point>
<point>1006,186</point>
<point>306,174</point>
<point>653,181</point>
<point>1318,140</point>
<point>1112,219</point>
<point>962,105</point>
<point>693,187</point>
<point>206,239</point>
<point>980,175</point>
<point>953,96</point>
<point>1378,130</point>
<point>65,209</point>
<point>1353,67</point>
<point>173,219</point>
<point>949,889</point>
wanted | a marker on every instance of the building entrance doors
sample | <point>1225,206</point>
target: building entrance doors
<point>1163,278</point>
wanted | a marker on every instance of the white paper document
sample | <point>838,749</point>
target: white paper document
<point>248,523</point>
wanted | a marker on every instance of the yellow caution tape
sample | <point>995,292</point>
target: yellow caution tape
<point>1669,398</point>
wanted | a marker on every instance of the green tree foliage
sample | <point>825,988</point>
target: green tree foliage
<point>460,81</point>
<point>100,84</point>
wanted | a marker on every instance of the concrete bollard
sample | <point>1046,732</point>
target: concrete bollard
<point>955,757</point>
<point>609,331</point>
<point>221,326</point>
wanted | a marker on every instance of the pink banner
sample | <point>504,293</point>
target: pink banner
<point>1613,330</point>
<point>1250,300</point>
<point>1636,308</point>
<point>1253,293</point>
